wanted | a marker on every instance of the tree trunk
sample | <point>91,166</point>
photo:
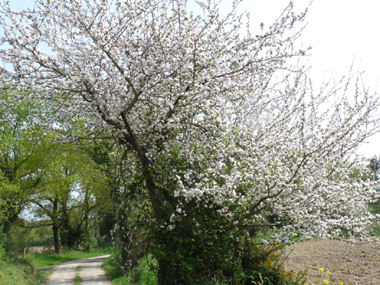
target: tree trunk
<point>162,274</point>
<point>57,248</point>
<point>56,239</point>
<point>96,233</point>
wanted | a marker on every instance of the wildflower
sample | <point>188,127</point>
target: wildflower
<point>326,282</point>
<point>321,270</point>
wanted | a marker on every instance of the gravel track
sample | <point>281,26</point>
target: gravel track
<point>91,272</point>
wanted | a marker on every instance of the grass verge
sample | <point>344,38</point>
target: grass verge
<point>115,273</point>
<point>144,275</point>
<point>49,260</point>
<point>23,270</point>
<point>20,271</point>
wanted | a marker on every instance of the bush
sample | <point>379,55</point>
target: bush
<point>47,241</point>
<point>147,272</point>
<point>88,241</point>
<point>266,264</point>
<point>29,264</point>
<point>15,242</point>
<point>103,241</point>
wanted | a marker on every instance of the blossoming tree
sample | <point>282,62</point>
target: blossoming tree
<point>217,128</point>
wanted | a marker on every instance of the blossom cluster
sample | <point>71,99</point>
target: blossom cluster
<point>193,102</point>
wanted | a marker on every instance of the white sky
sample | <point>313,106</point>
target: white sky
<point>338,30</point>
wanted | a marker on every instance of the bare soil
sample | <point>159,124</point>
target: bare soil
<point>40,249</point>
<point>357,264</point>
<point>46,249</point>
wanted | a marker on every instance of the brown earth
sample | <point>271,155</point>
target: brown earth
<point>40,249</point>
<point>47,249</point>
<point>357,264</point>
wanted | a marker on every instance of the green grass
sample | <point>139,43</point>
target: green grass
<point>19,272</point>
<point>78,280</point>
<point>48,260</point>
<point>142,276</point>
<point>116,274</point>
<point>22,271</point>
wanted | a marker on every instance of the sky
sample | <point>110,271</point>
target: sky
<point>341,32</point>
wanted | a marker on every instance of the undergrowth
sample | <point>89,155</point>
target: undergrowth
<point>257,264</point>
<point>20,271</point>
<point>143,275</point>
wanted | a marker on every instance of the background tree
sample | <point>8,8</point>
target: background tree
<point>102,154</point>
<point>72,187</point>
<point>23,151</point>
<point>28,155</point>
<point>216,128</point>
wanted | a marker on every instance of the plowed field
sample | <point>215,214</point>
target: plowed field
<point>357,264</point>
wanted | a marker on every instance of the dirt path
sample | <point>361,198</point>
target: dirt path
<point>90,269</point>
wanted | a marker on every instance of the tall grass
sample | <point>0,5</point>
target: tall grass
<point>20,271</point>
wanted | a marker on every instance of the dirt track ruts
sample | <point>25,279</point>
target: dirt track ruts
<point>91,272</point>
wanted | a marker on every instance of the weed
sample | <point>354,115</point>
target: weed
<point>324,278</point>
<point>78,280</point>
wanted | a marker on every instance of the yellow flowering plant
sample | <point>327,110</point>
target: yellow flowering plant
<point>268,262</point>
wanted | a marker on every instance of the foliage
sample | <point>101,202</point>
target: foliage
<point>106,215</point>
<point>71,188</point>
<point>214,129</point>
<point>88,241</point>
<point>269,263</point>
<point>115,273</point>
<point>144,274</point>
<point>17,240</point>
<point>8,207</point>
<point>147,272</point>
<point>2,243</point>
<point>256,263</point>
<point>19,272</point>
<point>41,236</point>
<point>21,144</point>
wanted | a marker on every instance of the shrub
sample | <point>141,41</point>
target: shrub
<point>88,241</point>
<point>267,263</point>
